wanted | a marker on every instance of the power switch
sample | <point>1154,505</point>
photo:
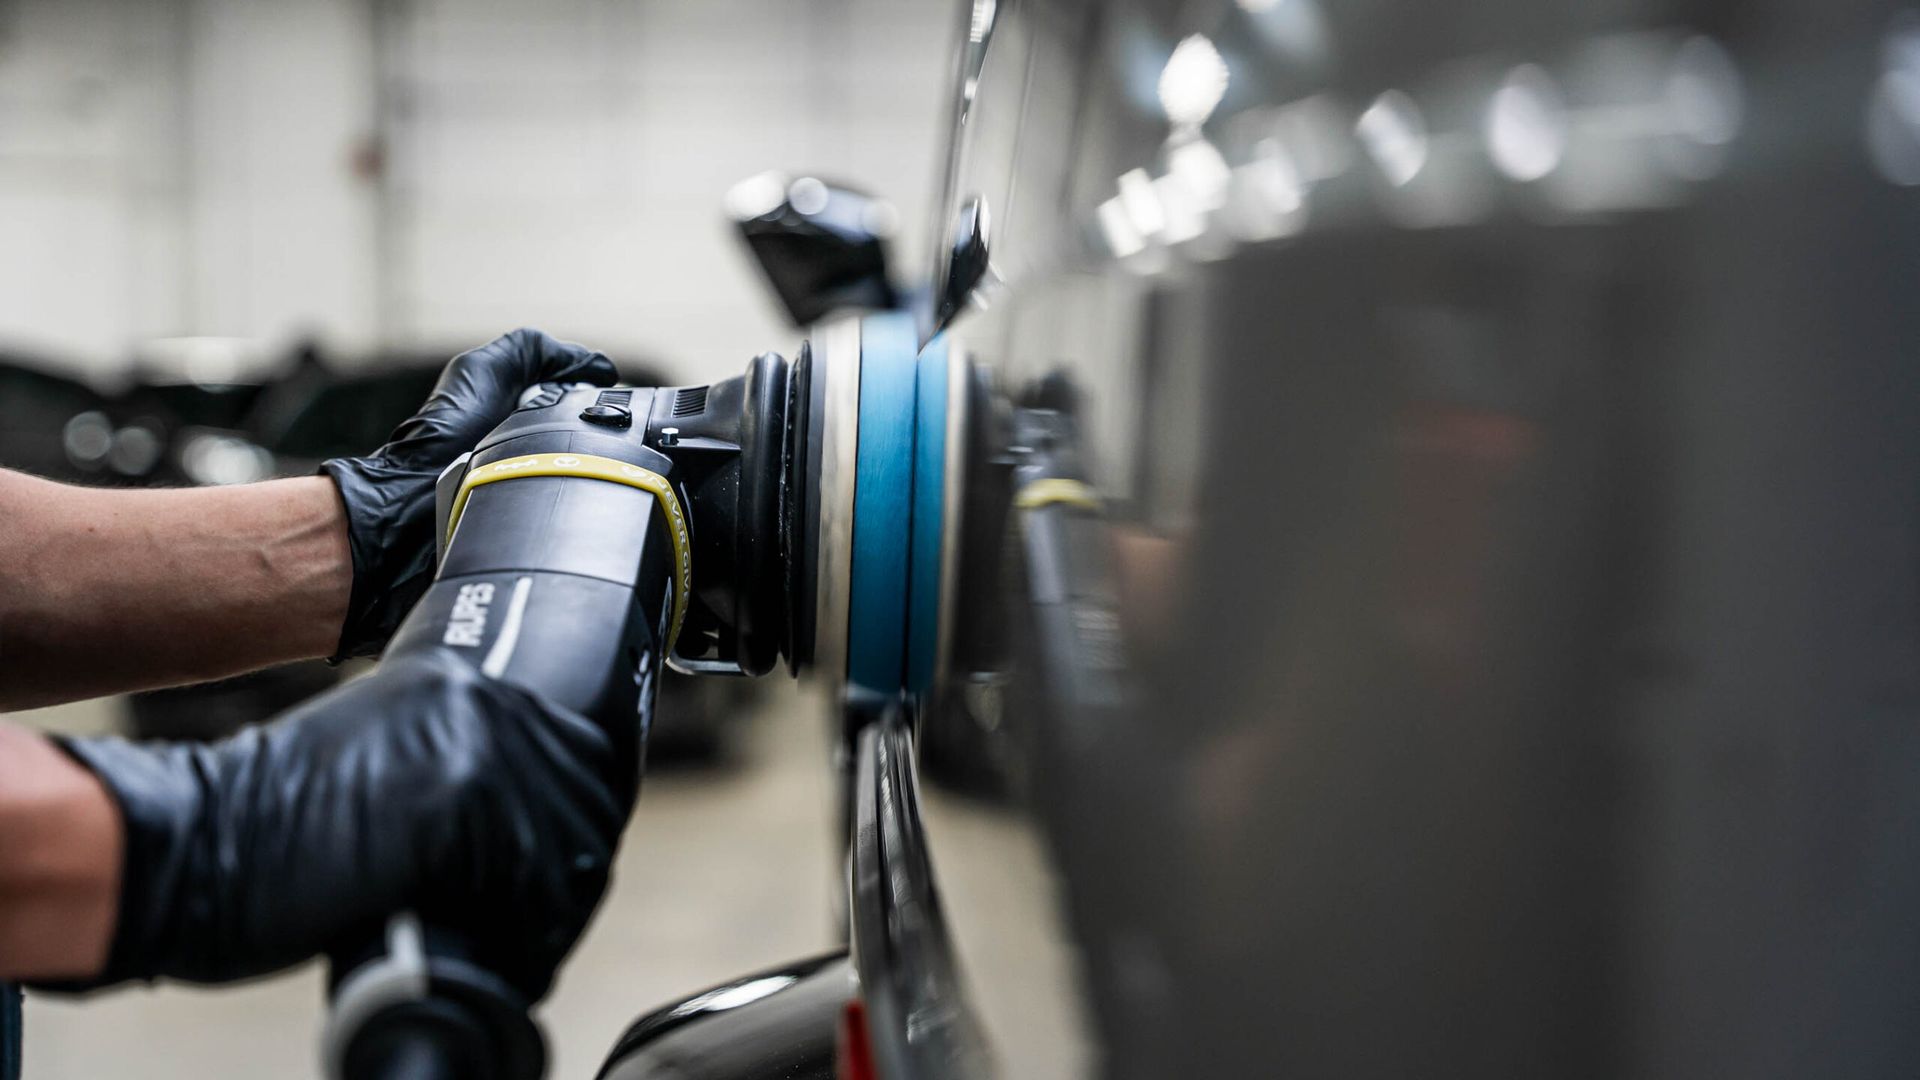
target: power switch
<point>613,408</point>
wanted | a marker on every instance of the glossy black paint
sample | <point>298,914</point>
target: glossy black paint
<point>1511,549</point>
<point>968,260</point>
<point>776,1025</point>
<point>907,977</point>
<point>1494,649</point>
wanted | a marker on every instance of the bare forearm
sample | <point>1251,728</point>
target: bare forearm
<point>60,878</point>
<point>104,591</point>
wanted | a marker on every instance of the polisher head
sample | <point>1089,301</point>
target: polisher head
<point>818,496</point>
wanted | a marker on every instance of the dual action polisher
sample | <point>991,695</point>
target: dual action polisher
<point>799,513</point>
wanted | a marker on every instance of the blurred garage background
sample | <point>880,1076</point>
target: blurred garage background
<point>237,236</point>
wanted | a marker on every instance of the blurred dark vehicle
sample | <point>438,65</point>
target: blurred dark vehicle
<point>56,426</point>
<point>197,417</point>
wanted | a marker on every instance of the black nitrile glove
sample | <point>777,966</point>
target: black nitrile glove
<point>389,493</point>
<point>425,786</point>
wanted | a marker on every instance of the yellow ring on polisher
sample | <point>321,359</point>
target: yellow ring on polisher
<point>1055,491</point>
<point>594,467</point>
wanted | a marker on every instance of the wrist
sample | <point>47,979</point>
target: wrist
<point>319,561</point>
<point>388,530</point>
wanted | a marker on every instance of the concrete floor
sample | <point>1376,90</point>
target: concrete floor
<point>722,871</point>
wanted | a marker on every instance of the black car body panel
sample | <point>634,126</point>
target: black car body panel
<point>1503,415</point>
<point>1492,645</point>
<point>908,982</point>
<point>776,1025</point>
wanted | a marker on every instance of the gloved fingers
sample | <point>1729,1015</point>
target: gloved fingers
<point>493,376</point>
<point>535,822</point>
<point>389,495</point>
<point>554,360</point>
<point>571,757</point>
<point>563,879</point>
<point>570,861</point>
<point>555,740</point>
<point>532,892</point>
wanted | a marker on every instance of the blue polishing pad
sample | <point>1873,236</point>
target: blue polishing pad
<point>882,503</point>
<point>898,505</point>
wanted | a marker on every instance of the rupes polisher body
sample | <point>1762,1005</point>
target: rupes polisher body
<point>796,512</point>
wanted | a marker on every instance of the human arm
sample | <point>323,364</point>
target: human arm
<point>108,590</point>
<point>114,590</point>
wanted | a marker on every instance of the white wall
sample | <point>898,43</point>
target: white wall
<point>171,168</point>
<point>562,163</point>
<point>175,167</point>
<point>91,174</point>
<point>281,235</point>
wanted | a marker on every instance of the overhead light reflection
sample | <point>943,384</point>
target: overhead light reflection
<point>1295,28</point>
<point>732,997</point>
<point>1142,205</point>
<point>982,21</point>
<point>1623,122</point>
<point>1315,133</point>
<point>880,219</point>
<point>205,360</point>
<point>1116,226</point>
<point>213,459</point>
<point>1704,106</point>
<point>1893,112</point>
<point>1526,127</point>
<point>1193,82</point>
<point>756,196</point>
<point>1201,171</point>
<point>1648,115</point>
<point>136,450</point>
<point>808,195</point>
<point>1275,178</point>
<point>1395,136</point>
<point>1703,92</point>
<point>87,437</point>
<point>1283,153</point>
<point>1270,196</point>
<point>1185,216</point>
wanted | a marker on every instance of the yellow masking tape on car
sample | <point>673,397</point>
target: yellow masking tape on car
<point>593,467</point>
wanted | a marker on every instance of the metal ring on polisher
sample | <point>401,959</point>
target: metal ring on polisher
<point>959,404</point>
<point>836,362</point>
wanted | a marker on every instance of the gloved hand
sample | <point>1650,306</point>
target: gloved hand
<point>425,786</point>
<point>389,493</point>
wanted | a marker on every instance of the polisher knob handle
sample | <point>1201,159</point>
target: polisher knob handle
<point>417,1007</point>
